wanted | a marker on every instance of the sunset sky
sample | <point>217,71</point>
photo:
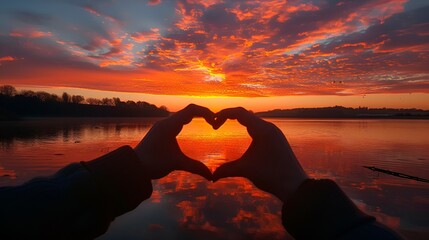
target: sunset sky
<point>259,54</point>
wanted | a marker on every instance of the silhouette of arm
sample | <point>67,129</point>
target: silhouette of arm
<point>81,200</point>
<point>313,209</point>
<point>78,202</point>
<point>319,209</point>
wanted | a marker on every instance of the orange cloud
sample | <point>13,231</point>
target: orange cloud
<point>97,13</point>
<point>154,2</point>
<point>7,59</point>
<point>234,48</point>
<point>32,33</point>
<point>145,36</point>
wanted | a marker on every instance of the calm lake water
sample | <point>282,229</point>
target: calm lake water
<point>185,206</point>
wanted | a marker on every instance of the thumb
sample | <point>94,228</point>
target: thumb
<point>194,166</point>
<point>229,169</point>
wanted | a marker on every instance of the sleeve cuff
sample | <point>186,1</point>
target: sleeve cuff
<point>121,179</point>
<point>320,205</point>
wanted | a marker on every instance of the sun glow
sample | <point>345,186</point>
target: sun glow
<point>210,73</point>
<point>215,77</point>
<point>229,142</point>
<point>253,51</point>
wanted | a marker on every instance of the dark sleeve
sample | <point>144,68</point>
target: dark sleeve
<point>320,210</point>
<point>78,202</point>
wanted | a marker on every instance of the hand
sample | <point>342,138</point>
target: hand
<point>159,151</point>
<point>269,162</point>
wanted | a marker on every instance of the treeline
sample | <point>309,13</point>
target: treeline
<point>344,112</point>
<point>26,103</point>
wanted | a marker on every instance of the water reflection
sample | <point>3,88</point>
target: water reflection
<point>187,206</point>
<point>42,146</point>
<point>228,209</point>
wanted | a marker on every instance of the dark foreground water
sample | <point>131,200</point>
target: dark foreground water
<point>185,206</point>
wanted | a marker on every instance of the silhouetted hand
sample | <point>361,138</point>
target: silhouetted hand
<point>269,162</point>
<point>159,151</point>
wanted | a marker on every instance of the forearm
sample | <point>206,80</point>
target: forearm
<point>78,202</point>
<point>320,210</point>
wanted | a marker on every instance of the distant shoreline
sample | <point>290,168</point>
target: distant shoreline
<point>351,117</point>
<point>340,112</point>
<point>16,105</point>
<point>77,118</point>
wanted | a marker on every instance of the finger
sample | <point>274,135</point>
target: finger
<point>253,123</point>
<point>196,167</point>
<point>229,169</point>
<point>184,116</point>
<point>219,122</point>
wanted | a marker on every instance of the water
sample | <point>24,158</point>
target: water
<point>185,206</point>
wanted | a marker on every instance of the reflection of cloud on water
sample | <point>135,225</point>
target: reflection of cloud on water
<point>228,209</point>
<point>391,221</point>
<point>6,173</point>
<point>366,186</point>
<point>398,207</point>
<point>7,176</point>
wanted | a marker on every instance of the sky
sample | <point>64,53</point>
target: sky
<point>261,54</point>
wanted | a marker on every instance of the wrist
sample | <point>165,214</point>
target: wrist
<point>142,157</point>
<point>139,154</point>
<point>144,161</point>
<point>295,177</point>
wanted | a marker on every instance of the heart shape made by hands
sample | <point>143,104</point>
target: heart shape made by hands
<point>268,162</point>
<point>213,145</point>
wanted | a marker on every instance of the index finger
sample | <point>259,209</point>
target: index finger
<point>176,121</point>
<point>253,123</point>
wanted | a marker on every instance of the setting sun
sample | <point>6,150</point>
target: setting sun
<point>334,52</point>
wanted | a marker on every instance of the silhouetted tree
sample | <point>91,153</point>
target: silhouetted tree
<point>47,97</point>
<point>117,101</point>
<point>163,108</point>
<point>143,104</point>
<point>27,93</point>
<point>66,97</point>
<point>107,102</point>
<point>93,101</point>
<point>77,99</point>
<point>8,90</point>
<point>14,105</point>
<point>131,104</point>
